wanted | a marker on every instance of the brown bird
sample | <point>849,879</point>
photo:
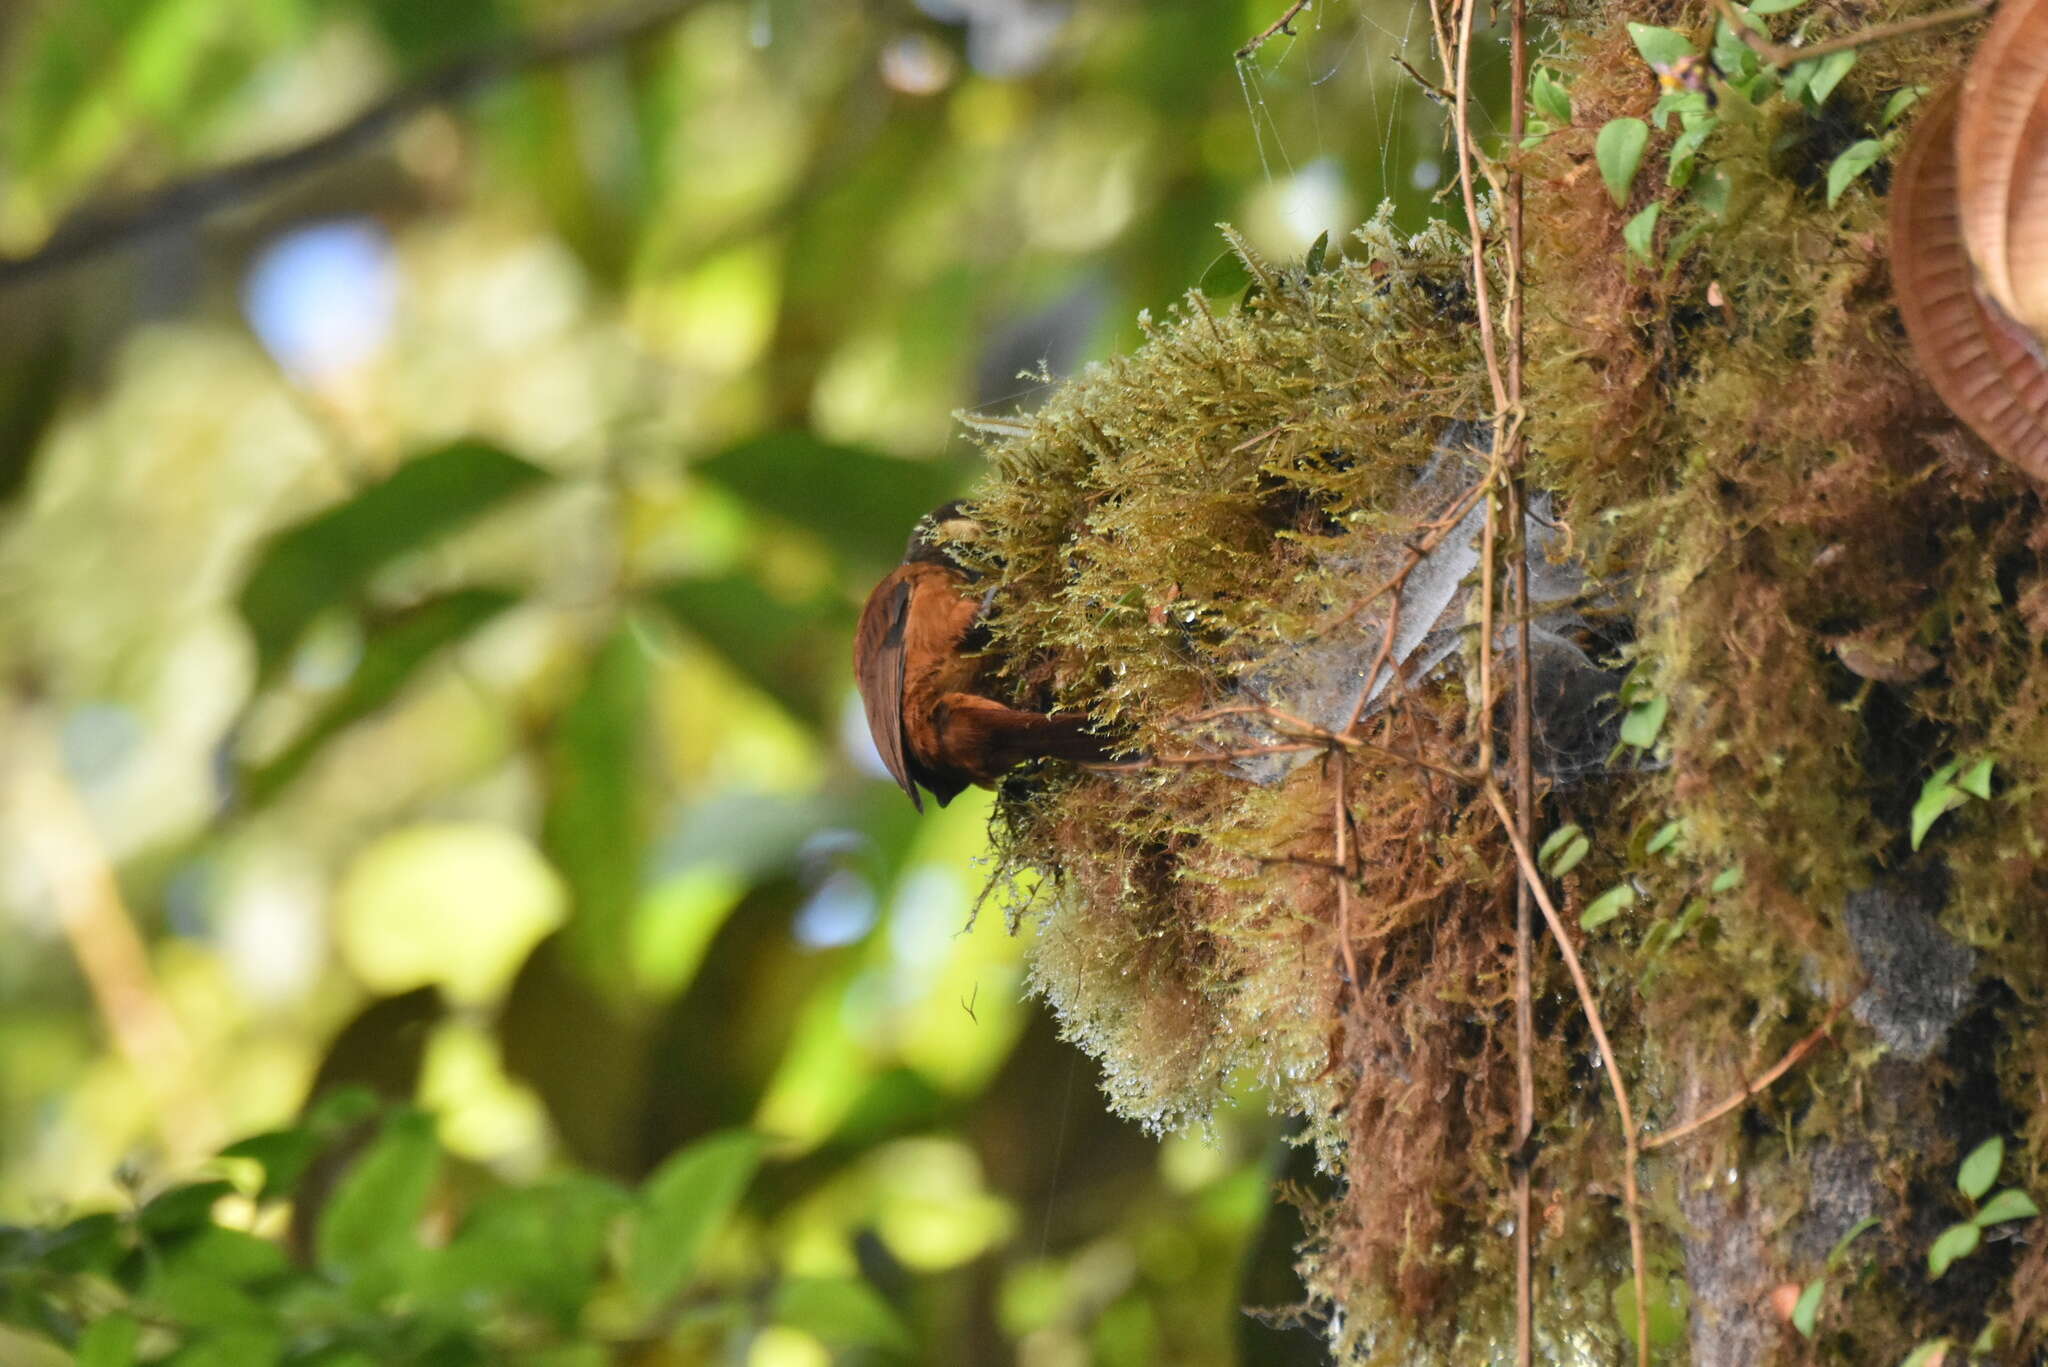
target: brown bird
<point>914,657</point>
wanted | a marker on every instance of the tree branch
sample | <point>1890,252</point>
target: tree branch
<point>96,228</point>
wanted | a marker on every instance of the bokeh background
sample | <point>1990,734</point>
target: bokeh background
<point>428,559</point>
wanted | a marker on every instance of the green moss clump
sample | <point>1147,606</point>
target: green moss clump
<point>1833,589</point>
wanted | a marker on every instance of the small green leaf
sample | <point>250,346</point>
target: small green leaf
<point>1899,103</point>
<point>1928,1354</point>
<point>183,1208</point>
<point>109,1342</point>
<point>1980,1169</point>
<point>1660,46</point>
<point>1550,97</point>
<point>1607,906</point>
<point>1645,720</point>
<point>1316,253</point>
<point>1775,6</point>
<point>1853,161</point>
<point>396,646</point>
<point>1640,231</point>
<point>842,1312</point>
<point>1855,1232</point>
<point>371,1221</point>
<point>1685,152</point>
<point>1987,1340</point>
<point>1714,192</point>
<point>1733,56</point>
<point>2010,1204</point>
<point>1957,1241</point>
<point>1797,77</point>
<point>1806,1310</point>
<point>1828,74</point>
<point>1976,780</point>
<point>1938,795</point>
<point>327,559</point>
<point>1619,151</point>
<point>1561,853</point>
<point>1730,877</point>
<point>1556,841</point>
<point>1669,1300</point>
<point>283,1155</point>
<point>683,1206</point>
<point>1665,836</point>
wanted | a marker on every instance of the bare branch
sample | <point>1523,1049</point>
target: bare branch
<point>1778,55</point>
<point>1751,1089</point>
<point>1284,24</point>
<point>99,227</point>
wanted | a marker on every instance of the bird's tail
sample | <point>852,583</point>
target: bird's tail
<point>999,738</point>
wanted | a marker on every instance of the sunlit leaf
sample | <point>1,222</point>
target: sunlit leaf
<point>1938,796</point>
<point>1827,74</point>
<point>1980,1169</point>
<point>109,1341</point>
<point>326,559</point>
<point>1643,723</point>
<point>1957,1241</point>
<point>1660,46</point>
<point>683,1205</point>
<point>377,1207</point>
<point>1640,231</point>
<point>283,1155</point>
<point>1550,97</point>
<point>2010,1204</point>
<point>858,501</point>
<point>395,646</point>
<point>1607,906</point>
<point>1669,1301</point>
<point>182,1208</point>
<point>1806,1310</point>
<point>1854,160</point>
<point>1562,849</point>
<point>1976,780</point>
<point>776,645</point>
<point>594,829</point>
<point>841,1311</point>
<point>1932,1353</point>
<point>1619,151</point>
<point>1899,103</point>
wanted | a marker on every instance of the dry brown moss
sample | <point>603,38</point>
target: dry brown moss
<point>1738,441</point>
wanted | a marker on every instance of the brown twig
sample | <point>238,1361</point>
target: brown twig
<point>1284,24</point>
<point>1131,766</point>
<point>1590,1006</point>
<point>99,227</point>
<point>1522,738</point>
<point>111,955</point>
<point>1341,820</point>
<point>1751,1089</point>
<point>1418,550</point>
<point>1778,55</point>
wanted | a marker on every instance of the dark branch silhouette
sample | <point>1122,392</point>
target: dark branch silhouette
<point>114,223</point>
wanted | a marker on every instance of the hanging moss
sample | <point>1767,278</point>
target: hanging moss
<point>1825,590</point>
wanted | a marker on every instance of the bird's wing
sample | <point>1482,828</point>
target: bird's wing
<point>878,662</point>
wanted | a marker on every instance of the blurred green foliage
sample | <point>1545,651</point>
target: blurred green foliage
<point>428,585</point>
